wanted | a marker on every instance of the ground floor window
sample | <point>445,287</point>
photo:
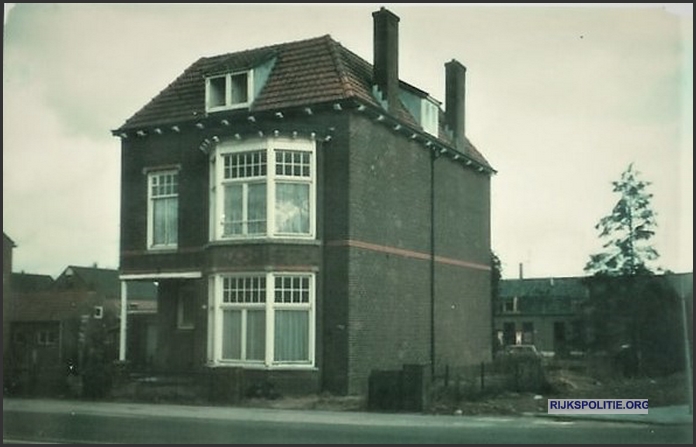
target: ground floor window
<point>527,333</point>
<point>263,319</point>
<point>47,337</point>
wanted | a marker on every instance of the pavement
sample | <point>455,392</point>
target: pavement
<point>671,415</point>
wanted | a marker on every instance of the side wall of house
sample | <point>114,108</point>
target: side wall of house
<point>334,199</point>
<point>389,239</point>
<point>462,273</point>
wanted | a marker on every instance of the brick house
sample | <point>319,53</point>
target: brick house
<point>544,312</point>
<point>556,313</point>
<point>53,321</point>
<point>309,217</point>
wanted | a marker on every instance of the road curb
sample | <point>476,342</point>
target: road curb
<point>609,418</point>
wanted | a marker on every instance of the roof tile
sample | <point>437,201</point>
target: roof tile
<point>306,72</point>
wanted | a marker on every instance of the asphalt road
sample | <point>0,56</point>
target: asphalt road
<point>145,424</point>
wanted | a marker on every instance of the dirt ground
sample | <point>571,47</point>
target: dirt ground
<point>662,391</point>
<point>669,390</point>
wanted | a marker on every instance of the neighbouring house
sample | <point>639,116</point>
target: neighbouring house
<point>58,325</point>
<point>544,312</point>
<point>566,315</point>
<point>309,217</point>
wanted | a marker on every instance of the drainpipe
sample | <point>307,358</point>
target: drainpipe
<point>124,322</point>
<point>433,157</point>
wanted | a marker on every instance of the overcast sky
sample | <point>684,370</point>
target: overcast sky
<point>559,99</point>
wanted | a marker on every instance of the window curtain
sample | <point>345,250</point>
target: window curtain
<point>256,335</point>
<point>292,208</point>
<point>257,208</point>
<point>165,225</point>
<point>234,211</point>
<point>231,335</point>
<point>291,335</point>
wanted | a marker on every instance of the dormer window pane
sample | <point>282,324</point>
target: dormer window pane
<point>216,92</point>
<point>239,88</point>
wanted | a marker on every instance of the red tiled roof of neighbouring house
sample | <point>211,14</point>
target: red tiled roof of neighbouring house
<point>307,72</point>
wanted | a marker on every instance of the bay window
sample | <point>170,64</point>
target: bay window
<point>262,320</point>
<point>250,199</point>
<point>163,209</point>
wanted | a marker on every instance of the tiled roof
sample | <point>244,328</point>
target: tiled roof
<point>49,306</point>
<point>565,287</point>
<point>307,72</point>
<point>107,283</point>
<point>30,283</point>
<point>7,240</point>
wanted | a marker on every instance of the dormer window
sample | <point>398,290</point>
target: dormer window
<point>423,107</point>
<point>429,117</point>
<point>229,91</point>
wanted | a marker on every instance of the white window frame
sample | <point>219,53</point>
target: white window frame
<point>217,307</point>
<point>151,210</point>
<point>270,145</point>
<point>98,312</point>
<point>229,105</point>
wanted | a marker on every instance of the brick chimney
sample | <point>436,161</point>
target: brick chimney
<point>455,91</point>
<point>386,55</point>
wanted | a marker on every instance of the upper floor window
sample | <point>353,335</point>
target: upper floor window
<point>510,305</point>
<point>263,188</point>
<point>163,209</point>
<point>228,91</point>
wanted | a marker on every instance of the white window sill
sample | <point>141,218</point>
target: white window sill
<point>244,105</point>
<point>163,248</point>
<point>266,240</point>
<point>260,366</point>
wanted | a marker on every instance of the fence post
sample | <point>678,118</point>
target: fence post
<point>446,376</point>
